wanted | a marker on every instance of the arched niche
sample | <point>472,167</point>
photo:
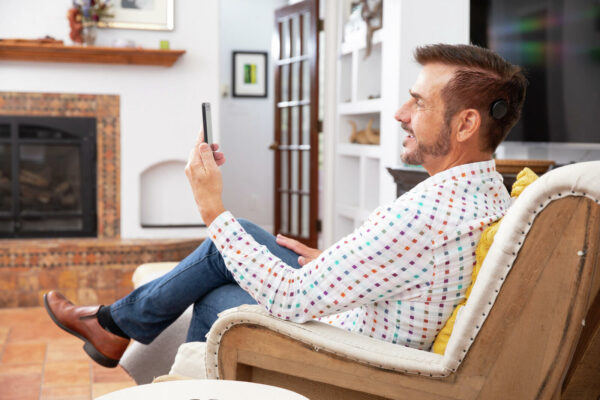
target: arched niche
<point>166,198</point>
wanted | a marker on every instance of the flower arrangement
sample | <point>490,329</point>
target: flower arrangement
<point>86,13</point>
<point>92,10</point>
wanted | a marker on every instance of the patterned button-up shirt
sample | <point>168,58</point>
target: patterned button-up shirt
<point>398,277</point>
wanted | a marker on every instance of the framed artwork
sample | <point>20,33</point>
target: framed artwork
<point>155,15</point>
<point>249,74</point>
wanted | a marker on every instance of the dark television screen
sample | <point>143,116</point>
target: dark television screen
<point>557,42</point>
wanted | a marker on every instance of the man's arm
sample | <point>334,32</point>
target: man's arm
<point>381,259</point>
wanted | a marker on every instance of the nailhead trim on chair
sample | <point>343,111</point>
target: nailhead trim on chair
<point>315,348</point>
<point>551,198</point>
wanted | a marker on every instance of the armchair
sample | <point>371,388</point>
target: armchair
<point>531,328</point>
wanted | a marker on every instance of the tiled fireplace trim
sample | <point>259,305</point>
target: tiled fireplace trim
<point>60,253</point>
<point>105,108</point>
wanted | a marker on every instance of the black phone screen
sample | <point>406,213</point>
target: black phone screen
<point>206,116</point>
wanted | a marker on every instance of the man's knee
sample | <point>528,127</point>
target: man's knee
<point>224,297</point>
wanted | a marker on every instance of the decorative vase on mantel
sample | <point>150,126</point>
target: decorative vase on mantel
<point>89,32</point>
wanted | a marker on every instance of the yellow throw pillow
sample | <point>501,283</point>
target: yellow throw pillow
<point>524,179</point>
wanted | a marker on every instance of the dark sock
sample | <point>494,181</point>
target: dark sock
<point>107,322</point>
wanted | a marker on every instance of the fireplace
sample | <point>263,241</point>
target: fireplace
<point>89,270</point>
<point>47,177</point>
<point>104,110</point>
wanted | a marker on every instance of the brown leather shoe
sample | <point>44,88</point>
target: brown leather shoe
<point>102,346</point>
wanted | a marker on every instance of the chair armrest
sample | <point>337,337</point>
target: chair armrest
<point>326,338</point>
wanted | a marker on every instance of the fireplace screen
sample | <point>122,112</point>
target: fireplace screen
<point>47,177</point>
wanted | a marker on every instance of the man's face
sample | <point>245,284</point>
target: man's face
<point>422,117</point>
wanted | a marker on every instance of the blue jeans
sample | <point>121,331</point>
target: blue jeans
<point>200,279</point>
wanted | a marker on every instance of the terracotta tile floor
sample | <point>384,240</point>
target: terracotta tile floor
<point>38,360</point>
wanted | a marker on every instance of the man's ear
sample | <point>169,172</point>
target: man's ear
<point>469,122</point>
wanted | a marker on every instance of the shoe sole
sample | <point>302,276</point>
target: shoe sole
<point>88,347</point>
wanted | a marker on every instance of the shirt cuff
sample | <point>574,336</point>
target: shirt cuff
<point>214,229</point>
<point>221,229</point>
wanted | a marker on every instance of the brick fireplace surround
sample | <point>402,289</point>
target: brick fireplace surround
<point>87,270</point>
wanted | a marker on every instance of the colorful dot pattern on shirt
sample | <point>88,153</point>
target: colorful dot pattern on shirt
<point>398,277</point>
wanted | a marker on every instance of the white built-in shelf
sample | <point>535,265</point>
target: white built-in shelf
<point>349,47</point>
<point>352,149</point>
<point>372,88</point>
<point>355,213</point>
<point>347,211</point>
<point>357,166</point>
<point>360,107</point>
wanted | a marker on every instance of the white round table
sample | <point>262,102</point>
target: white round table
<point>208,389</point>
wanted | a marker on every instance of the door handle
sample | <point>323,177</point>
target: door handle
<point>274,146</point>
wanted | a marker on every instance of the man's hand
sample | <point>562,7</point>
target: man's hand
<point>219,157</point>
<point>307,254</point>
<point>202,171</point>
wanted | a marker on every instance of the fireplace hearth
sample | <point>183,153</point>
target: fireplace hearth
<point>47,177</point>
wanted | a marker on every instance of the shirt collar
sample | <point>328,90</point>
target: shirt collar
<point>465,171</point>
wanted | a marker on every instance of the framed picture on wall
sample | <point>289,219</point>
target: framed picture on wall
<point>155,15</point>
<point>249,74</point>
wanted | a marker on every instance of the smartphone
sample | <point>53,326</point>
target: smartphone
<point>208,137</point>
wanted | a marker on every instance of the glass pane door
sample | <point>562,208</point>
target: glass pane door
<point>50,187</point>
<point>296,124</point>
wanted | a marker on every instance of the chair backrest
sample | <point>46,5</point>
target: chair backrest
<point>535,335</point>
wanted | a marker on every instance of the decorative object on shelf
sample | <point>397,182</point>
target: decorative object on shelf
<point>372,14</point>
<point>366,136</point>
<point>42,41</point>
<point>123,43</point>
<point>83,19</point>
<point>356,27</point>
<point>249,74</point>
<point>155,15</point>
<point>88,33</point>
<point>75,25</point>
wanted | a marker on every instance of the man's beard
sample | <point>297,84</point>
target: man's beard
<point>439,148</point>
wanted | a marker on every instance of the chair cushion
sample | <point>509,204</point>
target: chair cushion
<point>190,361</point>
<point>524,178</point>
<point>150,271</point>
<point>144,362</point>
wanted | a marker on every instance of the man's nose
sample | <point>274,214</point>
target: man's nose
<point>403,114</point>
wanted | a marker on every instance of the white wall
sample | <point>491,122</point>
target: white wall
<point>160,107</point>
<point>247,123</point>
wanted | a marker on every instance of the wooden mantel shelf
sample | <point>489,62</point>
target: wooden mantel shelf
<point>91,54</point>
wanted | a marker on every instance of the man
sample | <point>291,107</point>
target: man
<point>396,278</point>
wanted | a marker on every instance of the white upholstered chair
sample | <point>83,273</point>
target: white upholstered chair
<point>146,362</point>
